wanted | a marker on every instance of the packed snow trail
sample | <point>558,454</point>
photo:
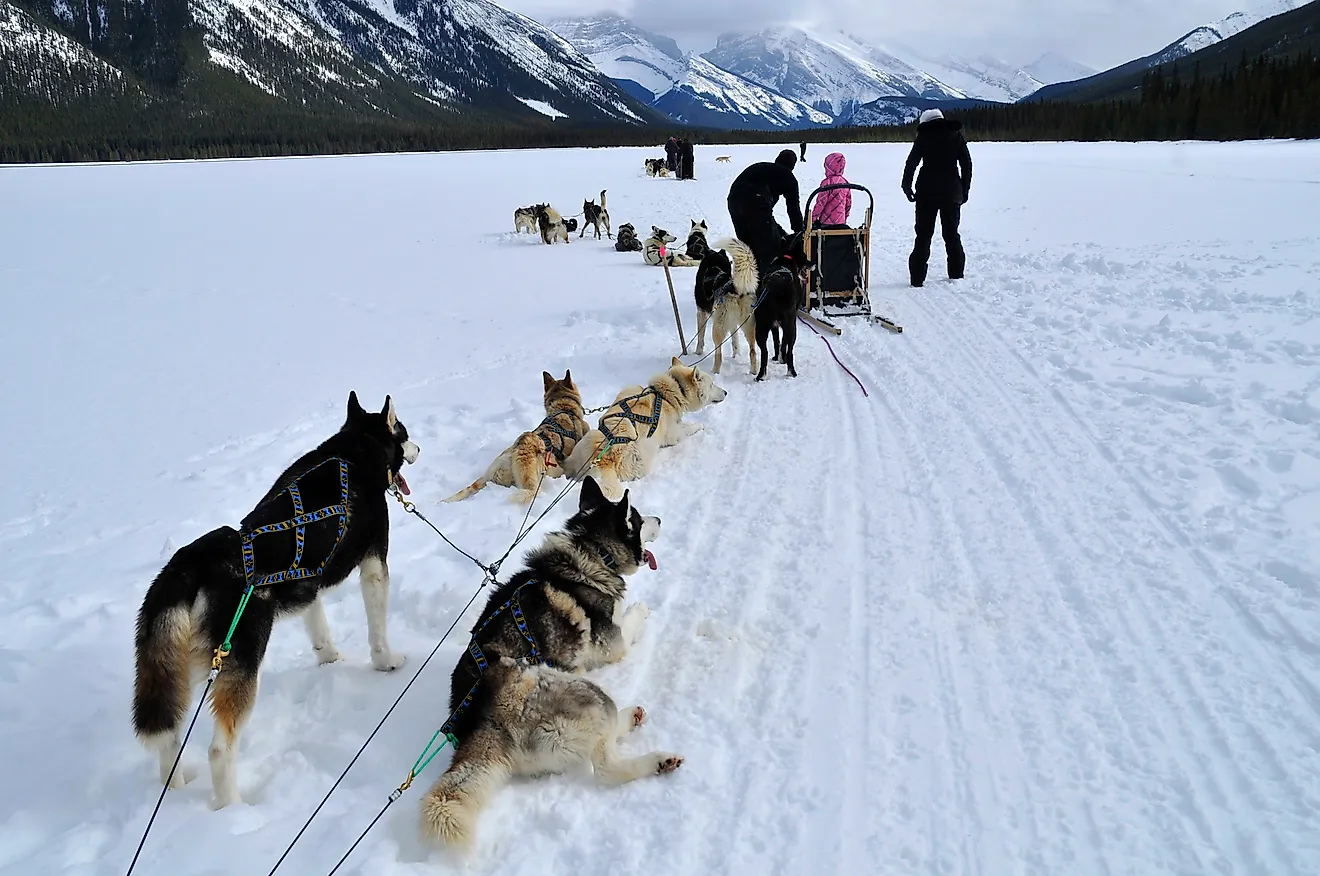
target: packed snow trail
<point>1045,602</point>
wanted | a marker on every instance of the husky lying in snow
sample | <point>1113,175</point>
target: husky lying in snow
<point>516,719</point>
<point>627,241</point>
<point>660,238</point>
<point>542,451</point>
<point>642,420</point>
<point>192,601</point>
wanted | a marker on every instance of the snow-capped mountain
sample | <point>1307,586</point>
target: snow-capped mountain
<point>1051,69</point>
<point>831,73</point>
<point>39,62</point>
<point>1209,34</point>
<point>686,88</point>
<point>837,72</point>
<point>391,57</point>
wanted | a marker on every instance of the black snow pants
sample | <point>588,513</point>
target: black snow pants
<point>754,224</point>
<point>948,214</point>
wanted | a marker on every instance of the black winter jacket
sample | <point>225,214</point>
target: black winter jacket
<point>760,187</point>
<point>941,150</point>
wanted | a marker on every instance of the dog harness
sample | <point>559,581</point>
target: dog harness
<point>652,420</point>
<point>532,658</point>
<point>299,522</point>
<point>552,425</point>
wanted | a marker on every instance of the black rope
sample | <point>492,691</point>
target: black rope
<point>178,757</point>
<point>363,835</point>
<point>397,700</point>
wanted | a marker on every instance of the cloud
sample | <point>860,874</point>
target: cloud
<point>1102,33</point>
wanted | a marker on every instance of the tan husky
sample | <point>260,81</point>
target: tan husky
<point>641,421</point>
<point>542,451</point>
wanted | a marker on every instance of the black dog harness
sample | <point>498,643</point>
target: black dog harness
<point>652,420</point>
<point>532,658</point>
<point>298,523</point>
<point>552,425</point>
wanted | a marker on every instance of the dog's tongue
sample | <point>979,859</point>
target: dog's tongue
<point>650,559</point>
<point>402,484</point>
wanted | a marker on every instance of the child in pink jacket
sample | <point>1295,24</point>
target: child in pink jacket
<point>832,207</point>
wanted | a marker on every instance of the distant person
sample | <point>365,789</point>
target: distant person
<point>671,155</point>
<point>832,207</point>
<point>942,188</point>
<point>686,159</point>
<point>803,146</point>
<point>752,200</point>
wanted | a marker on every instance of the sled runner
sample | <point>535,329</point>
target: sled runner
<point>840,281</point>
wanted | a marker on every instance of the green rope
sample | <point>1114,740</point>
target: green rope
<point>427,755</point>
<point>233,625</point>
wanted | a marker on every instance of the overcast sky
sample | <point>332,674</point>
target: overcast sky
<point>1101,33</point>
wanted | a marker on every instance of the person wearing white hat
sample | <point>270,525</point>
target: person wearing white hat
<point>942,188</point>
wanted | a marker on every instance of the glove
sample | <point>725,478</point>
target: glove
<point>907,190</point>
<point>965,194</point>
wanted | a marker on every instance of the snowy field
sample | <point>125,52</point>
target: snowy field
<point>1046,601</point>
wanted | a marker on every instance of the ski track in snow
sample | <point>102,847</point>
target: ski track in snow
<point>1045,602</point>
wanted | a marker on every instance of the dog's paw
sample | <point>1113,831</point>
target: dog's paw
<point>638,610</point>
<point>386,661</point>
<point>668,763</point>
<point>221,800</point>
<point>327,654</point>
<point>638,717</point>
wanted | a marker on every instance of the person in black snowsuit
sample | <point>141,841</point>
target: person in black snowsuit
<point>942,188</point>
<point>685,159</point>
<point>752,199</point>
<point>803,147</point>
<point>671,155</point>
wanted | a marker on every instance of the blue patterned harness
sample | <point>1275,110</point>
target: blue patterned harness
<point>552,424</point>
<point>298,523</point>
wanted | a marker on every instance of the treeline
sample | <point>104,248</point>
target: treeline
<point>1261,98</point>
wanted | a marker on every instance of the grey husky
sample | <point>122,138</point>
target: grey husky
<point>517,703</point>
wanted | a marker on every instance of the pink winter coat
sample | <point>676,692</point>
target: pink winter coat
<point>832,207</point>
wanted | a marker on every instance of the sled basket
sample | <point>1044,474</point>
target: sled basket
<point>840,280</point>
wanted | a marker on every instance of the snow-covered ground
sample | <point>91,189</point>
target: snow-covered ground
<point>1046,601</point>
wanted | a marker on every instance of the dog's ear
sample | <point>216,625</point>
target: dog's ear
<point>568,377</point>
<point>547,379</point>
<point>391,419</point>
<point>625,510</point>
<point>591,496</point>
<point>355,410</point>
<point>675,361</point>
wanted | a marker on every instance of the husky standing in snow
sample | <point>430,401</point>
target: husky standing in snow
<point>517,702</point>
<point>324,517</point>
<point>726,289</point>
<point>595,216</point>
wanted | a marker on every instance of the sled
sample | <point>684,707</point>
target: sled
<point>839,285</point>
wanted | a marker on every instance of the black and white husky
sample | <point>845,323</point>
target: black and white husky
<point>324,517</point>
<point>595,215</point>
<point>627,240</point>
<point>697,247</point>
<point>518,703</point>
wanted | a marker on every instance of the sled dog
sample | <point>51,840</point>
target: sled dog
<point>534,720</point>
<point>565,608</point>
<point>524,218</point>
<point>596,216</point>
<point>626,240</point>
<point>727,283</point>
<point>323,517</point>
<point>542,451</point>
<point>551,224</point>
<point>661,238</point>
<point>697,247</point>
<point>781,296</point>
<point>656,167</point>
<point>623,445</point>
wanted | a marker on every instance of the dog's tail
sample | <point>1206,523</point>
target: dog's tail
<point>602,199</point>
<point>746,277</point>
<point>476,486</point>
<point>164,640</point>
<point>451,808</point>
